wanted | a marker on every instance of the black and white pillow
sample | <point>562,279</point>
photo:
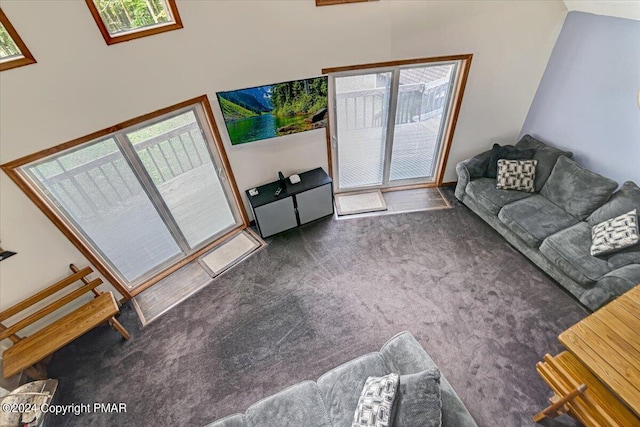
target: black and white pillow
<point>375,406</point>
<point>516,175</point>
<point>615,234</point>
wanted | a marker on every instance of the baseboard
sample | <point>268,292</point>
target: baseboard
<point>449,184</point>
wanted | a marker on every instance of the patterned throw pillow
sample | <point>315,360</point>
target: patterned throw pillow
<point>376,402</point>
<point>516,175</point>
<point>615,234</point>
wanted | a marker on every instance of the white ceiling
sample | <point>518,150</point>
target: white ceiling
<point>621,8</point>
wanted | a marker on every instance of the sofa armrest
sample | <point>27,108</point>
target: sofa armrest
<point>236,420</point>
<point>404,355</point>
<point>612,285</point>
<point>470,169</point>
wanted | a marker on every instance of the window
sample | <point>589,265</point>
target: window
<point>13,51</point>
<point>152,195</point>
<point>124,20</point>
<point>392,123</point>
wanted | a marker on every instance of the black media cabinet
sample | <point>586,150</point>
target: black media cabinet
<point>297,204</point>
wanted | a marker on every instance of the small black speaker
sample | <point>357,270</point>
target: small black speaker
<point>283,182</point>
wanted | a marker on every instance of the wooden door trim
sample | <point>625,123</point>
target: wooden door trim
<point>12,170</point>
<point>396,63</point>
<point>456,99</point>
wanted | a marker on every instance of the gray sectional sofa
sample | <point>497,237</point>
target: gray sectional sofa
<point>552,226</point>
<point>331,401</point>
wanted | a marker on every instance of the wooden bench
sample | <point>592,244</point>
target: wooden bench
<point>26,352</point>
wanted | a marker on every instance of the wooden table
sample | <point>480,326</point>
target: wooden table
<point>604,354</point>
<point>608,343</point>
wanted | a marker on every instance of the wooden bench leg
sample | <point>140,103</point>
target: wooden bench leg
<point>37,372</point>
<point>557,406</point>
<point>118,327</point>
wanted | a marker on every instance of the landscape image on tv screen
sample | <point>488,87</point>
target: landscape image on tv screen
<point>274,110</point>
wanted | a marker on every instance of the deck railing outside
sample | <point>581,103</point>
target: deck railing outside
<point>93,187</point>
<point>362,109</point>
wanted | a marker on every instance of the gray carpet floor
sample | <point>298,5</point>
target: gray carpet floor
<point>321,295</point>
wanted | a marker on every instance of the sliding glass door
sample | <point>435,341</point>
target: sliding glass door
<point>361,117</point>
<point>101,196</point>
<point>184,177</point>
<point>144,197</point>
<point>390,124</point>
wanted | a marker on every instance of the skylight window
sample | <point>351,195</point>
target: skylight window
<point>124,20</point>
<point>13,51</point>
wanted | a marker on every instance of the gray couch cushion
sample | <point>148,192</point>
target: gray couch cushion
<point>626,199</point>
<point>419,403</point>
<point>528,141</point>
<point>236,420</point>
<point>485,193</point>
<point>341,386</point>
<point>625,257</point>
<point>299,405</point>
<point>507,152</point>
<point>577,190</point>
<point>546,156</point>
<point>535,218</point>
<point>405,355</point>
<point>569,250</point>
<point>612,285</point>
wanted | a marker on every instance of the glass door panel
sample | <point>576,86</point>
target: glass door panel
<point>95,189</point>
<point>361,108</point>
<point>176,158</point>
<point>422,102</point>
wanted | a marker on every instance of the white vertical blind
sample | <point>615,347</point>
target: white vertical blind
<point>362,104</point>
<point>202,210</point>
<point>98,192</point>
<point>389,125</point>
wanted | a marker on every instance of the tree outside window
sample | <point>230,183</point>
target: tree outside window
<point>124,20</point>
<point>13,51</point>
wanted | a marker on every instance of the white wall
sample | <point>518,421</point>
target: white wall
<point>81,85</point>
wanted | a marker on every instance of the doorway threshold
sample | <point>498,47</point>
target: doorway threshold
<point>406,201</point>
<point>169,292</point>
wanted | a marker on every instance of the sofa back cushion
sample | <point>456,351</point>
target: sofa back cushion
<point>546,156</point>
<point>528,141</point>
<point>341,386</point>
<point>577,190</point>
<point>299,405</point>
<point>626,199</point>
<point>419,400</point>
<point>506,152</point>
